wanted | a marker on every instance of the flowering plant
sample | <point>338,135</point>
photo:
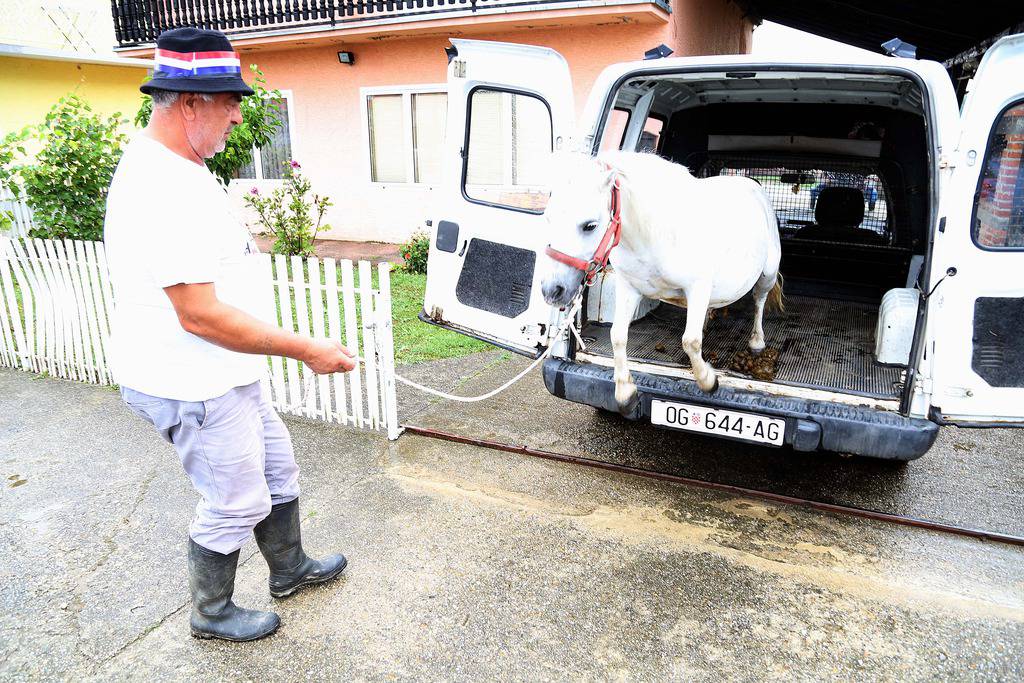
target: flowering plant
<point>414,253</point>
<point>288,215</point>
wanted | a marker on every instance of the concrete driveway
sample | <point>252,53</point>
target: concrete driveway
<point>470,564</point>
<point>970,477</point>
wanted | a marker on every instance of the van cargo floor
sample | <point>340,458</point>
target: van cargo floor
<point>822,343</point>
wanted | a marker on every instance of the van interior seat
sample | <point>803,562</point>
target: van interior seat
<point>838,213</point>
<point>838,255</point>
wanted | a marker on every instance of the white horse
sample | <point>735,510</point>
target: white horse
<point>698,243</point>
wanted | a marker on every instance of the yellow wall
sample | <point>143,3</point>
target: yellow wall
<point>30,87</point>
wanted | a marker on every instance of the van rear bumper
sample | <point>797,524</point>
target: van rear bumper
<point>810,425</point>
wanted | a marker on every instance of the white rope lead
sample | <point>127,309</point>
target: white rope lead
<point>472,399</point>
<point>568,324</point>
<point>569,318</point>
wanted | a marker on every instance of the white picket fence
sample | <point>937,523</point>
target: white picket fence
<point>312,302</point>
<point>19,212</point>
<point>56,305</point>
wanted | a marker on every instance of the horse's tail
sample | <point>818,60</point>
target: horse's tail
<point>775,299</point>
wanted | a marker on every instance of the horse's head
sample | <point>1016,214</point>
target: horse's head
<point>578,215</point>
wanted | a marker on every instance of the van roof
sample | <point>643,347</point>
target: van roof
<point>944,109</point>
<point>867,60</point>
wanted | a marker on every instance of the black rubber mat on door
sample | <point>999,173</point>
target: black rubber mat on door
<point>998,325</point>
<point>497,278</point>
<point>822,343</point>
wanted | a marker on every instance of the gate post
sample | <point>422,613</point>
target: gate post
<point>386,350</point>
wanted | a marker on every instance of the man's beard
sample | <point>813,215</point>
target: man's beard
<point>219,145</point>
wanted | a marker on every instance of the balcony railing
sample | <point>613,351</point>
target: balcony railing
<point>139,22</point>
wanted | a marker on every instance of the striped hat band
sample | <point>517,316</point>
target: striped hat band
<point>189,64</point>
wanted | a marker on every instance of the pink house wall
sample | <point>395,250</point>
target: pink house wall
<point>329,137</point>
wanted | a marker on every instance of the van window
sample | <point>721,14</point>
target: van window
<point>651,135</point>
<point>508,150</point>
<point>999,208</point>
<point>615,131</point>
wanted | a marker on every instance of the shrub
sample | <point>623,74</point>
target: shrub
<point>288,215</point>
<point>260,120</point>
<point>9,147</point>
<point>414,253</point>
<point>66,185</point>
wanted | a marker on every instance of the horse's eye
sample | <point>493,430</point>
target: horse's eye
<point>590,227</point>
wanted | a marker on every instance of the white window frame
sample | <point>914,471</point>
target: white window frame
<point>257,159</point>
<point>406,91</point>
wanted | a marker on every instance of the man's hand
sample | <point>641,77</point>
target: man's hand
<point>327,355</point>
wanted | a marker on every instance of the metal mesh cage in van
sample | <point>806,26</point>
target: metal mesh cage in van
<point>795,184</point>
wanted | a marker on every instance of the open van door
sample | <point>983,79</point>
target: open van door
<point>509,107</point>
<point>977,311</point>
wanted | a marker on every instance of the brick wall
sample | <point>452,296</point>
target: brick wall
<point>1001,202</point>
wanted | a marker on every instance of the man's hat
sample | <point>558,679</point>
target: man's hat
<point>195,60</point>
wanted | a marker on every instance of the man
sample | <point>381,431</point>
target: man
<point>190,337</point>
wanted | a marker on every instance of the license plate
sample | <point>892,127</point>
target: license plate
<point>746,426</point>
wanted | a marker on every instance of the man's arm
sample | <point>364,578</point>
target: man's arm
<point>201,313</point>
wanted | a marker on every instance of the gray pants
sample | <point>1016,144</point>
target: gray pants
<point>237,453</point>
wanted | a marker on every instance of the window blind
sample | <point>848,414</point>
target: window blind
<point>429,111</point>
<point>387,141</point>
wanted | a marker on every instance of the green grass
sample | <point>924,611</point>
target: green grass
<point>21,306</point>
<point>417,341</point>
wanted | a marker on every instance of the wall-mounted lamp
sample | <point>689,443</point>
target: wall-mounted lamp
<point>346,58</point>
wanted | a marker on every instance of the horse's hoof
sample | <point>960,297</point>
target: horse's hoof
<point>629,408</point>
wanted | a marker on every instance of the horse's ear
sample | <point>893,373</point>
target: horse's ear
<point>609,178</point>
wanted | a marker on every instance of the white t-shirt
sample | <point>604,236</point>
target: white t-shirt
<point>168,222</point>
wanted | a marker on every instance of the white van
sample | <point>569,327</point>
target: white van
<point>901,221</point>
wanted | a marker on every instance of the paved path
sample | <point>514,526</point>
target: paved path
<point>970,477</point>
<point>341,249</point>
<point>469,564</point>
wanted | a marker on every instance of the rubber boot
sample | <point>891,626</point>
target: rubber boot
<point>280,540</point>
<point>211,579</point>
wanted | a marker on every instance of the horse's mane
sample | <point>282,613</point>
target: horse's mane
<point>646,181</point>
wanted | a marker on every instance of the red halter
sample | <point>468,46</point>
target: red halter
<point>609,241</point>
